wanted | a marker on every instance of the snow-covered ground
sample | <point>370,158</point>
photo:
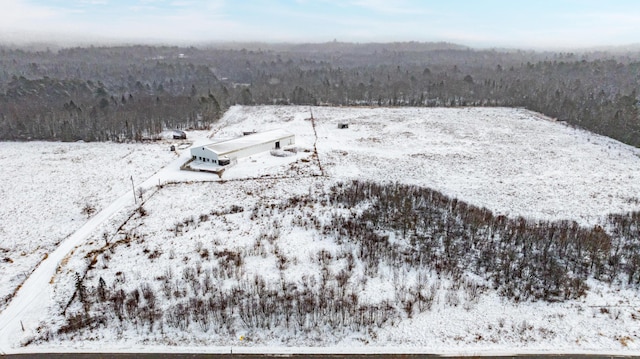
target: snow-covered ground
<point>606,320</point>
<point>45,188</point>
<point>511,161</point>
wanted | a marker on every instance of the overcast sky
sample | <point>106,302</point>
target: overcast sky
<point>477,23</point>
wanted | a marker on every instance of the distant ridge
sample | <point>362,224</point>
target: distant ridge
<point>337,46</point>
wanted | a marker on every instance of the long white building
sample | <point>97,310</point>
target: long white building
<point>229,150</point>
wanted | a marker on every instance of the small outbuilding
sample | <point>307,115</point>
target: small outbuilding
<point>343,125</point>
<point>179,135</point>
<point>222,153</point>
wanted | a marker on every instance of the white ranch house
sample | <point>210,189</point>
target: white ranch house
<point>220,153</point>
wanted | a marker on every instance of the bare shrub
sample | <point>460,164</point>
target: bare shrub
<point>89,209</point>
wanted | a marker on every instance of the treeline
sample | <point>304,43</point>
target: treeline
<point>190,86</point>
<point>70,110</point>
<point>423,247</point>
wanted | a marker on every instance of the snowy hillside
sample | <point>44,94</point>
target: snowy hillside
<point>393,233</point>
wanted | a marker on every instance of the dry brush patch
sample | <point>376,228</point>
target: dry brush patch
<point>425,248</point>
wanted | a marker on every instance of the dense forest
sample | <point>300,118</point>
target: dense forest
<point>134,92</point>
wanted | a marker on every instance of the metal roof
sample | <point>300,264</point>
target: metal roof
<point>236,144</point>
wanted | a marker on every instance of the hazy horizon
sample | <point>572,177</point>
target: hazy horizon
<point>542,25</point>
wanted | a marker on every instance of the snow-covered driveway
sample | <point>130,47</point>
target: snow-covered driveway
<point>22,316</point>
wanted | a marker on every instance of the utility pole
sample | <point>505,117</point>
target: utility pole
<point>135,201</point>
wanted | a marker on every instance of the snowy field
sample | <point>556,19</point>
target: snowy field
<point>180,244</point>
<point>47,185</point>
<point>512,161</point>
<point>605,321</point>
